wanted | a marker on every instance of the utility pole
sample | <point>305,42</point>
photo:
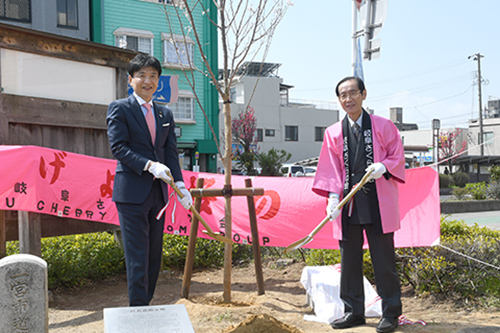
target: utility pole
<point>477,57</point>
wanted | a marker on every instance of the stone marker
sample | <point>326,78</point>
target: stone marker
<point>24,303</point>
<point>141,319</point>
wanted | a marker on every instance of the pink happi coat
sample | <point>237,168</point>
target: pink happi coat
<point>387,149</point>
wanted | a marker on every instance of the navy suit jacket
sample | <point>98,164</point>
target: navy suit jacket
<point>131,144</point>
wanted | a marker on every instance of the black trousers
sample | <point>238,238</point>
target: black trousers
<point>384,266</point>
<point>142,236</point>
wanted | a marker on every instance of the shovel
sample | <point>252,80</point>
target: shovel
<point>309,238</point>
<point>209,231</point>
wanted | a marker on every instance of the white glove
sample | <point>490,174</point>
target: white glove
<point>160,171</point>
<point>378,170</point>
<point>187,199</point>
<point>333,201</point>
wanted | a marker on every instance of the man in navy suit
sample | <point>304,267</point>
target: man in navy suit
<point>142,138</point>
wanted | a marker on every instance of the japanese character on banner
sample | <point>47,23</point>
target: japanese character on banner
<point>57,164</point>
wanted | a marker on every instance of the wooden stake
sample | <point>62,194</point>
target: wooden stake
<point>255,240</point>
<point>30,233</point>
<point>3,235</point>
<point>193,236</point>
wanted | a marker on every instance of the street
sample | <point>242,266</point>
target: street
<point>490,219</point>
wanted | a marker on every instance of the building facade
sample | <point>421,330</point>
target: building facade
<point>297,128</point>
<point>491,130</point>
<point>153,27</point>
<point>69,18</point>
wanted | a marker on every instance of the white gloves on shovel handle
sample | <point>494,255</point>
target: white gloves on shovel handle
<point>331,210</point>
<point>160,171</point>
<point>378,169</point>
<point>187,200</point>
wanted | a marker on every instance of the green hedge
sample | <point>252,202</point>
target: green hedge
<point>77,259</point>
<point>465,268</point>
<point>439,270</point>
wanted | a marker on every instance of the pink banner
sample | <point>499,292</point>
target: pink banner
<point>49,181</point>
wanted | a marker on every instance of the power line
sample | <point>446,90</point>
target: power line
<point>421,72</point>
<point>444,99</point>
<point>456,79</point>
<point>398,77</point>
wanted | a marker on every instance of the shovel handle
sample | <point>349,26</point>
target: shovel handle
<point>309,237</point>
<point>341,204</point>
<point>198,216</point>
<point>356,188</point>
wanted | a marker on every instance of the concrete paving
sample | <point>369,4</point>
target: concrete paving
<point>490,219</point>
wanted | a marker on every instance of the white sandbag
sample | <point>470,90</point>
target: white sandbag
<point>322,284</point>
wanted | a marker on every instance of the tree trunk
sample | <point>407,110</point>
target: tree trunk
<point>226,160</point>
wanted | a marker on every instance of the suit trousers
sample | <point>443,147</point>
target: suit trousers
<point>384,266</point>
<point>142,236</point>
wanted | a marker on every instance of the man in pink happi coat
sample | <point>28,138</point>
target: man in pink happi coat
<point>358,143</point>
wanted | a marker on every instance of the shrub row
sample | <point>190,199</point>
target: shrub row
<point>466,267</point>
<point>439,270</point>
<point>458,179</point>
<point>478,191</point>
<point>77,259</point>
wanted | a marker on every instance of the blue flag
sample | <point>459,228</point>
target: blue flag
<point>358,66</point>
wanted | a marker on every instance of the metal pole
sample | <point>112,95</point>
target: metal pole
<point>481,137</point>
<point>478,57</point>
<point>433,146</point>
<point>368,29</point>
<point>354,35</point>
<point>436,125</point>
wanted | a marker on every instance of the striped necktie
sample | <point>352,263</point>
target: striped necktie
<point>356,130</point>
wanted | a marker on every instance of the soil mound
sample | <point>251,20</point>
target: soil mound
<point>262,323</point>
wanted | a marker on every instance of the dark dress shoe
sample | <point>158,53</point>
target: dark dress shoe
<point>348,320</point>
<point>387,325</point>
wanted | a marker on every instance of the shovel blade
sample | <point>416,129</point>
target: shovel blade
<point>218,237</point>
<point>295,245</point>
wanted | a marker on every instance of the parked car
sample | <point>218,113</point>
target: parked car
<point>310,171</point>
<point>293,170</point>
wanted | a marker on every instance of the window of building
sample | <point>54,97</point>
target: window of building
<point>177,51</point>
<point>258,132</point>
<point>67,13</point>
<point>16,10</point>
<point>270,132</point>
<point>283,97</point>
<point>170,2</point>
<point>488,138</point>
<point>166,2</point>
<point>183,109</point>
<point>291,133</point>
<point>134,39</point>
<point>319,132</point>
<point>232,94</point>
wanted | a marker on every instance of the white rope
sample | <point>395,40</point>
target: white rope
<point>469,257</point>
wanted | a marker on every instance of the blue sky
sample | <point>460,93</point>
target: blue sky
<point>423,65</point>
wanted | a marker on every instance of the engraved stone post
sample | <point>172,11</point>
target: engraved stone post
<point>24,302</point>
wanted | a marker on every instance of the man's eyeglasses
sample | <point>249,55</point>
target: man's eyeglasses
<point>351,94</point>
